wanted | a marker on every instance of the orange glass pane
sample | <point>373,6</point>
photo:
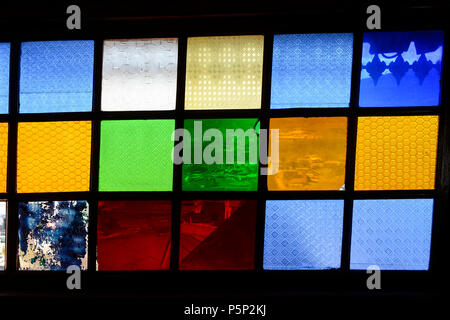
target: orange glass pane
<point>312,153</point>
<point>394,153</point>
<point>53,156</point>
<point>3,155</point>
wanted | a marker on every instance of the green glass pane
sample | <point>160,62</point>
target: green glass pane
<point>136,155</point>
<point>239,174</point>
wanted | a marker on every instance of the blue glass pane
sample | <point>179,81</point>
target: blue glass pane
<point>303,234</point>
<point>401,69</point>
<point>392,234</point>
<point>4,77</point>
<point>56,76</point>
<point>311,70</point>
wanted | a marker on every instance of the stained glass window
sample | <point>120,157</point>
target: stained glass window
<point>56,76</point>
<point>224,72</point>
<point>393,234</point>
<point>4,77</point>
<point>3,155</point>
<point>311,70</point>
<point>217,235</point>
<point>53,156</point>
<point>136,155</point>
<point>134,235</point>
<point>401,69</point>
<point>2,234</point>
<point>311,153</point>
<point>53,235</point>
<point>139,74</point>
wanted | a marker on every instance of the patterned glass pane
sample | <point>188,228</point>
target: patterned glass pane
<point>3,155</point>
<point>2,234</point>
<point>56,76</point>
<point>217,235</point>
<point>53,235</point>
<point>235,168</point>
<point>139,74</point>
<point>394,153</point>
<point>136,155</point>
<point>4,77</point>
<point>392,234</point>
<point>224,72</point>
<point>312,153</point>
<point>133,235</point>
<point>401,69</point>
<point>53,156</point>
<point>303,234</point>
<point>311,70</point>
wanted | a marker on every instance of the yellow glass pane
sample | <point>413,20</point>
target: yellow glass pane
<point>224,72</point>
<point>3,155</point>
<point>394,153</point>
<point>312,153</point>
<point>53,156</point>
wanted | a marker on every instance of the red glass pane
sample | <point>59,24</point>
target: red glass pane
<point>217,235</point>
<point>134,235</point>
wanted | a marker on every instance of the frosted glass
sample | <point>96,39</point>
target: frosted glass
<point>393,234</point>
<point>4,77</point>
<point>2,234</point>
<point>139,74</point>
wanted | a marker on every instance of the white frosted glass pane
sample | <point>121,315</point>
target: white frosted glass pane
<point>2,234</point>
<point>139,74</point>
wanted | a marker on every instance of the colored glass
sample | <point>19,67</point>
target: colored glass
<point>217,235</point>
<point>53,156</point>
<point>3,155</point>
<point>4,77</point>
<point>224,72</point>
<point>2,234</point>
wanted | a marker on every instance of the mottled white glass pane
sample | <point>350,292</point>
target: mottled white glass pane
<point>139,74</point>
<point>2,234</point>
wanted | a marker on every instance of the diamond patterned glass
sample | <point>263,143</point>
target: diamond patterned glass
<point>303,234</point>
<point>3,155</point>
<point>136,155</point>
<point>2,234</point>
<point>53,156</point>
<point>311,70</point>
<point>401,69</point>
<point>56,76</point>
<point>224,72</point>
<point>139,74</point>
<point>392,234</point>
<point>394,153</point>
<point>4,77</point>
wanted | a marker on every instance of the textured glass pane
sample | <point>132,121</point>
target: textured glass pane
<point>53,235</point>
<point>303,234</point>
<point>401,69</point>
<point>394,153</point>
<point>199,175</point>
<point>311,153</point>
<point>56,76</point>
<point>392,234</point>
<point>139,74</point>
<point>217,235</point>
<point>3,155</point>
<point>53,156</point>
<point>136,155</point>
<point>224,72</point>
<point>311,70</point>
<point>2,234</point>
<point>133,235</point>
<point>4,77</point>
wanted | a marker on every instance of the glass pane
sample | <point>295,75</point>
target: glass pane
<point>53,156</point>
<point>136,155</point>
<point>56,76</point>
<point>394,153</point>
<point>4,77</point>
<point>217,235</point>
<point>401,69</point>
<point>303,234</point>
<point>224,72</point>
<point>312,153</point>
<point>139,74</point>
<point>2,234</point>
<point>134,235</point>
<point>392,234</point>
<point>311,70</point>
<point>235,168</point>
<point>53,235</point>
<point>3,155</point>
